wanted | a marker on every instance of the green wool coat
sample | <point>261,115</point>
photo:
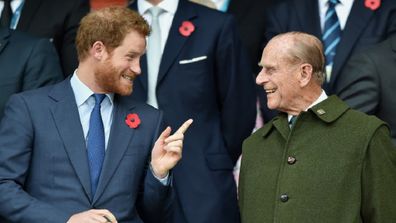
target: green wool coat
<point>335,165</point>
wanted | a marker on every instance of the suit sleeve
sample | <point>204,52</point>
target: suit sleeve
<point>16,148</point>
<point>236,89</point>
<point>379,179</point>
<point>359,84</point>
<point>68,52</point>
<point>43,67</point>
<point>155,199</point>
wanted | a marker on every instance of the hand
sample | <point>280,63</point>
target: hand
<point>167,150</point>
<point>93,216</point>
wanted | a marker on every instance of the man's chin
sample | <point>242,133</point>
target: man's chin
<point>125,91</point>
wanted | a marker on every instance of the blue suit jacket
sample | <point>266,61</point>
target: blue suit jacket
<point>44,174</point>
<point>26,63</point>
<point>364,28</point>
<point>218,93</point>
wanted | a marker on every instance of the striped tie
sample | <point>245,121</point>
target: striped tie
<point>331,35</point>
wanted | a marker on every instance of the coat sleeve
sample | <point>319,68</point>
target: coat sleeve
<point>43,67</point>
<point>155,199</point>
<point>16,148</point>
<point>236,89</point>
<point>359,84</point>
<point>379,179</point>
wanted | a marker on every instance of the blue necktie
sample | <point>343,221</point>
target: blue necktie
<point>331,33</point>
<point>96,143</point>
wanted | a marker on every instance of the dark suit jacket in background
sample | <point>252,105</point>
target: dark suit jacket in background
<point>363,28</point>
<point>218,93</point>
<point>368,82</point>
<point>44,171</point>
<point>58,21</point>
<point>25,63</point>
<point>249,17</point>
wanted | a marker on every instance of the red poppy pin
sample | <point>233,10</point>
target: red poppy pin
<point>372,4</point>
<point>132,120</point>
<point>186,28</point>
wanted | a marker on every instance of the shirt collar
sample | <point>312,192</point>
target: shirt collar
<point>169,6</point>
<point>323,96</point>
<point>82,91</point>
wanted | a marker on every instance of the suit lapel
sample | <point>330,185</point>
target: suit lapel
<point>29,9</point>
<point>393,42</point>
<point>120,137</point>
<point>309,21</point>
<point>68,124</point>
<point>176,41</point>
<point>357,20</point>
<point>4,36</point>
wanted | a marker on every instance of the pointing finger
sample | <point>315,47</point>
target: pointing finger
<point>185,126</point>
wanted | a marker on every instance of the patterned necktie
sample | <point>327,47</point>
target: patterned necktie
<point>96,143</point>
<point>153,56</point>
<point>6,14</point>
<point>331,36</point>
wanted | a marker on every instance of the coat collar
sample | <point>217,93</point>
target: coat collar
<point>327,111</point>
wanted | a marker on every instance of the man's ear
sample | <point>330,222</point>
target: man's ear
<point>306,74</point>
<point>98,50</point>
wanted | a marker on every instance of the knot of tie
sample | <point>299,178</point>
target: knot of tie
<point>333,3</point>
<point>99,98</point>
<point>155,11</point>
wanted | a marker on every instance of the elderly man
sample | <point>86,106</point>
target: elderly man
<point>318,160</point>
<point>82,151</point>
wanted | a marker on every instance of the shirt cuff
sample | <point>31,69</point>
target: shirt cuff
<point>164,181</point>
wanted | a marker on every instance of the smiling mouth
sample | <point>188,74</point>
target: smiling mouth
<point>270,91</point>
<point>130,78</point>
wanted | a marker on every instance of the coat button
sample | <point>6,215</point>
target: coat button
<point>284,198</point>
<point>291,160</point>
